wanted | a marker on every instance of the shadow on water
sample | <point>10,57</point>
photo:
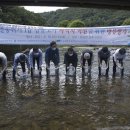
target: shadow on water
<point>66,103</point>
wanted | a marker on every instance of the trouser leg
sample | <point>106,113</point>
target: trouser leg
<point>37,59</point>
<point>4,75</point>
<point>66,68</point>
<point>23,66</point>
<point>89,66</point>
<point>107,70</point>
<point>33,62</point>
<point>38,66</point>
<point>56,70</point>
<point>99,68</point>
<point>83,67</point>
<point>31,72</point>
<point>122,70</point>
<point>48,68</point>
<point>74,64</point>
<point>114,67</point>
<point>14,73</point>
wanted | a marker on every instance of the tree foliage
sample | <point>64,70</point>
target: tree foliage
<point>68,17</point>
<point>126,22</point>
<point>64,23</point>
<point>18,15</point>
<point>91,17</point>
<point>77,23</point>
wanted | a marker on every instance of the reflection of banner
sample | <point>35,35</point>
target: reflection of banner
<point>23,34</point>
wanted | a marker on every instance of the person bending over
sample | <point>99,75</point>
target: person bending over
<point>52,55</point>
<point>103,55</point>
<point>35,57</point>
<point>118,60</point>
<point>22,59</point>
<point>3,62</point>
<point>86,56</point>
<point>70,57</point>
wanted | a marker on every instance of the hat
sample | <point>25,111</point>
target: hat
<point>86,56</point>
<point>22,58</point>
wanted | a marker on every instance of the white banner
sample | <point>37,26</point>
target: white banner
<point>36,35</point>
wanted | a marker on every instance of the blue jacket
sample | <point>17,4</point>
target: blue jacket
<point>32,55</point>
<point>17,60</point>
<point>52,55</point>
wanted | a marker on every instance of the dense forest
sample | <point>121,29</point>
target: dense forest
<point>18,15</point>
<point>91,17</point>
<point>69,17</point>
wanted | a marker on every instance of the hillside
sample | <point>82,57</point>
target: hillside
<point>91,17</point>
<point>18,15</point>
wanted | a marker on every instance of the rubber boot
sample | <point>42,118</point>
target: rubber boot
<point>114,70</point>
<point>57,71</point>
<point>14,73</point>
<point>99,68</point>
<point>122,72</point>
<point>47,71</point>
<point>107,70</point>
<point>4,75</point>
<point>31,72</point>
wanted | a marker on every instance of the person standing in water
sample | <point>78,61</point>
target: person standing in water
<point>35,55</point>
<point>118,60</point>
<point>86,56</point>
<point>70,58</point>
<point>103,55</point>
<point>22,59</point>
<point>3,62</point>
<point>52,55</point>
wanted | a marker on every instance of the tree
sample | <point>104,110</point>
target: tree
<point>64,23</point>
<point>18,15</point>
<point>126,22</point>
<point>77,23</point>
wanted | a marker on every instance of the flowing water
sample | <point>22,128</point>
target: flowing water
<point>67,103</point>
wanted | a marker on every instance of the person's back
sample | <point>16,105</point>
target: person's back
<point>118,60</point>
<point>119,54</point>
<point>3,62</point>
<point>35,54</point>
<point>22,59</point>
<point>104,53</point>
<point>86,55</point>
<point>3,59</point>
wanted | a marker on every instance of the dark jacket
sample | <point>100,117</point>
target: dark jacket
<point>71,59</point>
<point>52,55</point>
<point>103,55</point>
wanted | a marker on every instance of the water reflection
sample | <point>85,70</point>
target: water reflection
<point>68,103</point>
